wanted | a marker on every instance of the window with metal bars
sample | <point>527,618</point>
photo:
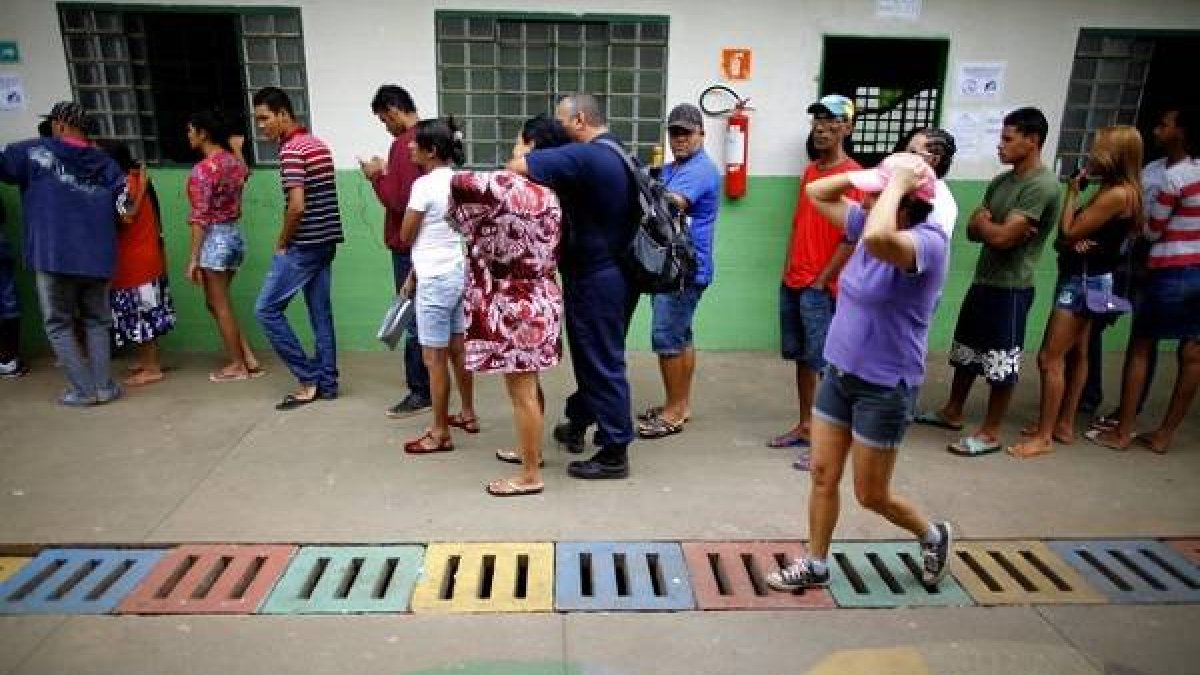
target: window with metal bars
<point>141,71</point>
<point>494,72</point>
<point>896,84</point>
<point>1108,79</point>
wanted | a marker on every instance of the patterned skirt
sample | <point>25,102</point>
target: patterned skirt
<point>143,313</point>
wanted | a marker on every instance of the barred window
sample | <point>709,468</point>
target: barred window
<point>141,73</point>
<point>494,72</point>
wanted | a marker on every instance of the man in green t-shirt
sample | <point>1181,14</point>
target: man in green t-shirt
<point>1020,209</point>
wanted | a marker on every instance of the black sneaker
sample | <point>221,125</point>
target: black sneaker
<point>935,558</point>
<point>797,577</point>
<point>411,405</point>
<point>571,437</point>
<point>593,469</point>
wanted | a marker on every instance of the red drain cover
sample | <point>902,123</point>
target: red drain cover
<point>1188,547</point>
<point>210,579</point>
<point>732,575</point>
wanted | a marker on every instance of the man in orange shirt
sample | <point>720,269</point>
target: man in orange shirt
<point>816,255</point>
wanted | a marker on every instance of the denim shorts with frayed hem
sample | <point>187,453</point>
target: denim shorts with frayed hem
<point>1071,294</point>
<point>223,248</point>
<point>440,313</point>
<point>876,415</point>
<point>804,318</point>
<point>671,330</point>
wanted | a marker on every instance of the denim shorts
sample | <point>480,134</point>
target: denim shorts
<point>1069,294</point>
<point>440,311</point>
<point>877,416</point>
<point>1171,307</point>
<point>672,324</point>
<point>223,248</point>
<point>804,318</point>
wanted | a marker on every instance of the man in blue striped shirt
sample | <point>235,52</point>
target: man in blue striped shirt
<point>312,229</point>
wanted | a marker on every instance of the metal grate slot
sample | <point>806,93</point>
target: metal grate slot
<point>1170,569</point>
<point>885,574</point>
<point>169,584</point>
<point>1012,570</point>
<point>1133,567</point>
<point>349,579</point>
<point>314,577</point>
<point>656,579</point>
<point>72,581</point>
<point>980,572</point>
<point>622,577</point>
<point>850,573</point>
<point>487,577</point>
<point>243,584</point>
<point>385,579</point>
<point>1042,567</point>
<point>718,574</point>
<point>915,570</point>
<point>585,574</point>
<point>754,575</point>
<point>521,590</point>
<point>109,580</point>
<point>1112,576</point>
<point>210,579</point>
<point>449,576</point>
<point>40,578</point>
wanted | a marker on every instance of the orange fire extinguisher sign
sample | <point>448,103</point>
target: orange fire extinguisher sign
<point>735,64</point>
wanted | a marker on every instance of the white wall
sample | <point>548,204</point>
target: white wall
<point>354,45</point>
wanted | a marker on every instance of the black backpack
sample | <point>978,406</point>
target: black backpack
<point>660,256</point>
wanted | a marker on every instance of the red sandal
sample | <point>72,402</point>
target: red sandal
<point>417,445</point>
<point>467,424</point>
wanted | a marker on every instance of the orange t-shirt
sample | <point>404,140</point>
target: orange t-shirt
<point>139,249</point>
<point>814,239</point>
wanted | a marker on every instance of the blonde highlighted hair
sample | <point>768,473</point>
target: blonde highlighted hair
<point>1117,154</point>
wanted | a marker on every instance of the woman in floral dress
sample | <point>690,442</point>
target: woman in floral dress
<point>513,301</point>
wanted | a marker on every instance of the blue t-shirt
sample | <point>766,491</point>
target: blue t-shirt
<point>69,194</point>
<point>697,180</point>
<point>880,328</point>
<point>597,196</point>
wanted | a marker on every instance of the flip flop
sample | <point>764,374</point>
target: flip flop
<point>469,425</point>
<point>256,373</point>
<point>659,427</point>
<point>417,445</point>
<point>650,413</point>
<point>973,446</point>
<point>1143,441</point>
<point>219,377</point>
<point>141,379</point>
<point>791,439</point>
<point>935,419</point>
<point>291,402</point>
<point>1098,437</point>
<point>509,488</point>
<point>513,457</point>
<point>1019,453</point>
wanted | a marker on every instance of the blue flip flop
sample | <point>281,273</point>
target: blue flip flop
<point>972,446</point>
<point>935,419</point>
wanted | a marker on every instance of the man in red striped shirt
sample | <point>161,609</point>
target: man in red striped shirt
<point>1171,309</point>
<point>312,229</point>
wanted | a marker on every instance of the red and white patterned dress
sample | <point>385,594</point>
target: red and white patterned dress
<point>513,302</point>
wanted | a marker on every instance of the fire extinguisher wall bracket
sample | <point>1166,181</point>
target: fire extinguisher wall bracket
<point>737,140</point>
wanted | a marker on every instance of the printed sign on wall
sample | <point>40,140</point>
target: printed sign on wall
<point>981,81</point>
<point>12,92</point>
<point>735,64</point>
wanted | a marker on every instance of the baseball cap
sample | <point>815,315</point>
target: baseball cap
<point>875,180</point>
<point>687,116</point>
<point>68,112</point>
<point>834,104</point>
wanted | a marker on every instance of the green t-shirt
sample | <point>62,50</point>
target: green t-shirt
<point>1038,197</point>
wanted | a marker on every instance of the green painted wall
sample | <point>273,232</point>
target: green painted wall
<point>739,311</point>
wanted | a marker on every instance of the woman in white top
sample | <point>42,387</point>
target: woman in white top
<point>439,279</point>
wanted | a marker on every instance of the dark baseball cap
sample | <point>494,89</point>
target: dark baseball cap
<point>686,116</point>
<point>69,112</point>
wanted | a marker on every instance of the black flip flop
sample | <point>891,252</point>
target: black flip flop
<point>291,402</point>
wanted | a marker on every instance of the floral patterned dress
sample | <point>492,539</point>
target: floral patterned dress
<point>513,302</point>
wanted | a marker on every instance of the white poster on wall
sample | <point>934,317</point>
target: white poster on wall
<point>898,9</point>
<point>981,81</point>
<point>12,92</point>
<point>965,126</point>
<point>993,124</point>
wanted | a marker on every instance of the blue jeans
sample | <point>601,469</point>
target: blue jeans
<point>415,374</point>
<point>64,297</point>
<point>306,268</point>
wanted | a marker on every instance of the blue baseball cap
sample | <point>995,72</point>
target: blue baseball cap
<point>833,104</point>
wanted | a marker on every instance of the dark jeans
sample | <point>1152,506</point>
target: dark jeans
<point>308,269</point>
<point>64,297</point>
<point>415,374</point>
<point>598,308</point>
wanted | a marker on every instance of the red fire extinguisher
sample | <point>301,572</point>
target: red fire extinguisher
<point>737,140</point>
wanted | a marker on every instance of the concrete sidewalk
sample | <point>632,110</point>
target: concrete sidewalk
<point>191,461</point>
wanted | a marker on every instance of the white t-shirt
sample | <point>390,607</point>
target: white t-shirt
<point>438,249</point>
<point>945,209</point>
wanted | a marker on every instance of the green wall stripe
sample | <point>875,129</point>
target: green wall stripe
<point>739,311</point>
